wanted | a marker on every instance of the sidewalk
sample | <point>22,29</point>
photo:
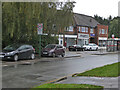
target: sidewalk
<point>106,82</point>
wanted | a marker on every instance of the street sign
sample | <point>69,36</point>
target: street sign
<point>40,28</point>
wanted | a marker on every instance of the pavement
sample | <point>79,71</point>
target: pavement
<point>106,82</point>
<point>68,54</point>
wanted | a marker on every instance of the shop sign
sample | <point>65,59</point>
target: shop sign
<point>83,36</point>
<point>92,35</point>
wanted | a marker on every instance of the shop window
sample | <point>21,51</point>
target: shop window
<point>83,29</point>
<point>91,30</point>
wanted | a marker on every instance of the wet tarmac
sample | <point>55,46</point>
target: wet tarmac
<point>30,75</point>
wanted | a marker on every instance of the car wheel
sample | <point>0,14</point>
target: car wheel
<point>15,57</point>
<point>32,56</point>
<point>63,54</point>
<point>54,55</point>
<point>90,49</point>
<point>96,49</point>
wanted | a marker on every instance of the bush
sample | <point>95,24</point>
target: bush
<point>45,40</point>
<point>34,41</point>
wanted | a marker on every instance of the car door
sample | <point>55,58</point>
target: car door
<point>22,52</point>
<point>28,51</point>
<point>94,46</point>
<point>57,50</point>
<point>60,50</point>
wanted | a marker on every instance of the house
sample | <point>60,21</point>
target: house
<point>84,30</point>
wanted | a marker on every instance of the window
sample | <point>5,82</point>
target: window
<point>71,28</point>
<point>83,29</point>
<point>106,31</point>
<point>61,42</point>
<point>99,31</point>
<point>91,30</point>
<point>79,29</point>
<point>103,31</point>
<point>86,29</point>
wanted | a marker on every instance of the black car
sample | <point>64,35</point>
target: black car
<point>18,51</point>
<point>53,50</point>
<point>76,48</point>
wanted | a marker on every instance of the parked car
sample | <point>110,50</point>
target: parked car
<point>91,46</point>
<point>18,51</point>
<point>53,50</point>
<point>76,48</point>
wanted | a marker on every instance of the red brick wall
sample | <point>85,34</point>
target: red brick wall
<point>102,27</point>
<point>101,35</point>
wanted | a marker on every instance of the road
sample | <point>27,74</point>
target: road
<point>27,76</point>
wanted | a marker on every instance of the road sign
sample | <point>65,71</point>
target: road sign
<point>40,31</point>
<point>40,28</point>
<point>112,36</point>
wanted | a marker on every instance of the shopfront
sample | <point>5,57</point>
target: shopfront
<point>102,41</point>
<point>83,39</point>
<point>70,40</point>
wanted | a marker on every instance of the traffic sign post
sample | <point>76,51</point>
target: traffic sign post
<point>40,31</point>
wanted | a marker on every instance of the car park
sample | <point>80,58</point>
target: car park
<point>76,48</point>
<point>91,46</point>
<point>53,50</point>
<point>18,51</point>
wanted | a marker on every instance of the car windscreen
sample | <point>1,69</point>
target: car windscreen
<point>11,47</point>
<point>50,46</point>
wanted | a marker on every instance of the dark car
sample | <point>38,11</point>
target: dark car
<point>53,50</point>
<point>76,48</point>
<point>18,51</point>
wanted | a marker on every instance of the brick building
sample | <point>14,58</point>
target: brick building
<point>84,30</point>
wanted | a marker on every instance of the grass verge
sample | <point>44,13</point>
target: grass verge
<point>50,85</point>
<point>105,71</point>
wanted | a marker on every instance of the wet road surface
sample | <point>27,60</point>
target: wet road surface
<point>27,75</point>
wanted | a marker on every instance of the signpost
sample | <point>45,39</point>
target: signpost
<point>40,31</point>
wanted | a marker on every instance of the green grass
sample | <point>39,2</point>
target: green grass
<point>105,71</point>
<point>68,86</point>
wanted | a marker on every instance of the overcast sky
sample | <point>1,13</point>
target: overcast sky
<point>102,8</point>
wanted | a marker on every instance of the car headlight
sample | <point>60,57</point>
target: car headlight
<point>51,50</point>
<point>10,53</point>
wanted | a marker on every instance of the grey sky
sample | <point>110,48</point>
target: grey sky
<point>103,8</point>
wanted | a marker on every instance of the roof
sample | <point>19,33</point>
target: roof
<point>84,20</point>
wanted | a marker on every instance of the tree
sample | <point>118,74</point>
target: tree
<point>114,28</point>
<point>20,20</point>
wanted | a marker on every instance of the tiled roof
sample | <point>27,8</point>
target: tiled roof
<point>84,20</point>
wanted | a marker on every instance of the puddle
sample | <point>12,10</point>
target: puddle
<point>34,76</point>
